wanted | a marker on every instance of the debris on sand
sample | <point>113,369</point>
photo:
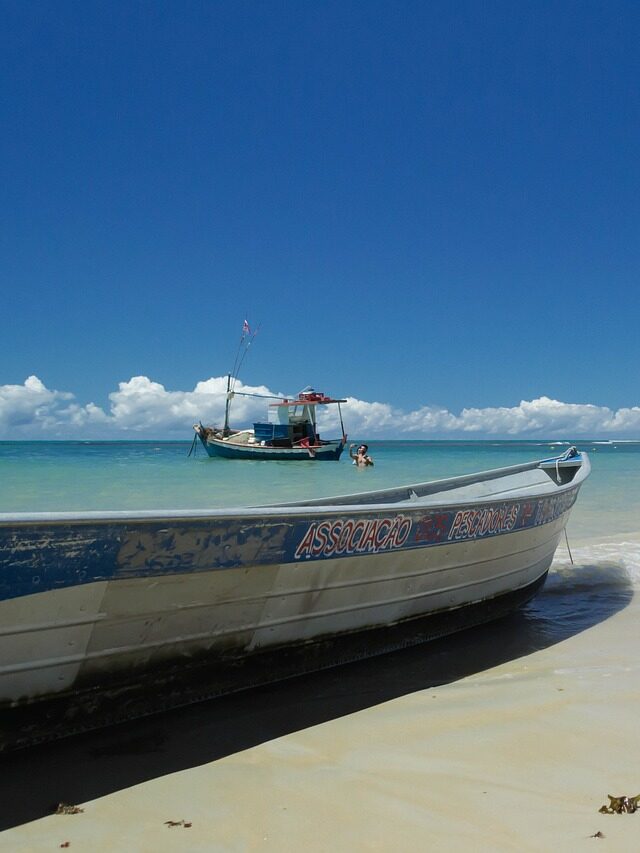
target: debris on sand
<point>621,805</point>
<point>64,808</point>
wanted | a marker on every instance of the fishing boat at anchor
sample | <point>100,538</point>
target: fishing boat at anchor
<point>109,615</point>
<point>290,432</point>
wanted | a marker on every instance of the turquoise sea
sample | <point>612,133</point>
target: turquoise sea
<point>603,533</point>
<point>603,530</point>
<point>58,476</point>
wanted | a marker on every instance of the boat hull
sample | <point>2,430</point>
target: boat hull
<point>96,606</point>
<point>329,452</point>
<point>201,677</point>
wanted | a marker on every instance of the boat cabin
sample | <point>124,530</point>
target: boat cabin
<point>292,422</point>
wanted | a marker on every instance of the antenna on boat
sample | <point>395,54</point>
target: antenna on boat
<point>246,339</point>
<point>236,365</point>
<point>246,332</point>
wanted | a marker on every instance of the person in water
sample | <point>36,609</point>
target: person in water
<point>360,457</point>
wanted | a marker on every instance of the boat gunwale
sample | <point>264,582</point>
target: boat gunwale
<point>407,497</point>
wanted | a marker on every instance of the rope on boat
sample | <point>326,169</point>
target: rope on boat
<point>194,446</point>
<point>261,396</point>
<point>568,548</point>
<point>246,339</point>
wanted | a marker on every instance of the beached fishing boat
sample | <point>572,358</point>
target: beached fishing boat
<point>290,432</point>
<point>106,615</point>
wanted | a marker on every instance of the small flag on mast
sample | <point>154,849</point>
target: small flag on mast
<point>245,328</point>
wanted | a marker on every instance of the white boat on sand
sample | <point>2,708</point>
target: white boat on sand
<point>107,615</point>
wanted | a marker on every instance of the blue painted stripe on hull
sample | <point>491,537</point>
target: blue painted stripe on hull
<point>46,556</point>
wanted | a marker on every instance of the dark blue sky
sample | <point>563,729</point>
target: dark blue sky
<point>420,202</point>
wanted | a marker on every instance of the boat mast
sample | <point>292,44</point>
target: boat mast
<point>225,429</point>
<point>344,435</point>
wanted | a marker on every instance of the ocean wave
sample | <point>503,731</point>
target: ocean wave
<point>602,556</point>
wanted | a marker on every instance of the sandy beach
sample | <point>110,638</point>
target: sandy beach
<point>506,737</point>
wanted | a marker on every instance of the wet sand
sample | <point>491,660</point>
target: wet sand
<point>506,737</point>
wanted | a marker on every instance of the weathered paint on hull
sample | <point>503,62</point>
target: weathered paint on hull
<point>93,601</point>
<point>227,450</point>
<point>76,634</point>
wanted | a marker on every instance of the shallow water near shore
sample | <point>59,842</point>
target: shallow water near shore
<point>60,476</point>
<point>68,476</point>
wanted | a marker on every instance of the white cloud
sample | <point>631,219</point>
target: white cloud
<point>28,405</point>
<point>143,405</point>
<point>143,408</point>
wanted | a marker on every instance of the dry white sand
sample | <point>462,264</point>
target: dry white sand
<point>519,757</point>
